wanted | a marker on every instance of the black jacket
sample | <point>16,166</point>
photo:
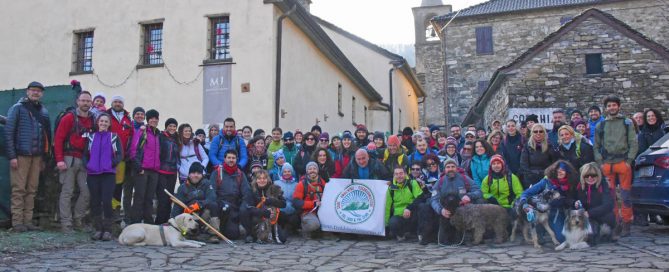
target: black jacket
<point>600,202</point>
<point>512,148</point>
<point>169,153</point>
<point>533,163</point>
<point>648,136</point>
<point>376,170</point>
<point>301,159</point>
<point>203,193</point>
<point>232,190</point>
<point>28,130</point>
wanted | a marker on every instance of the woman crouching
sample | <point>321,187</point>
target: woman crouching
<point>593,195</point>
<point>264,216</point>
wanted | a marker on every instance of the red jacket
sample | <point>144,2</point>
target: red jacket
<point>70,141</point>
<point>123,129</point>
<point>314,192</point>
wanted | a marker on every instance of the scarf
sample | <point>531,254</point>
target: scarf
<point>287,177</point>
<point>229,169</point>
<point>137,125</point>
<point>567,146</point>
<point>561,183</point>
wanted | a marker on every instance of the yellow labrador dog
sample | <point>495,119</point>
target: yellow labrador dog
<point>170,234</point>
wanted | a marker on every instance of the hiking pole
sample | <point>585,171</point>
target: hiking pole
<point>182,205</point>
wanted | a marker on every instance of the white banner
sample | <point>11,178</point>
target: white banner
<point>354,207</point>
<point>545,115</point>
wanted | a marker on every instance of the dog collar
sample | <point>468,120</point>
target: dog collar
<point>162,235</point>
<point>183,231</point>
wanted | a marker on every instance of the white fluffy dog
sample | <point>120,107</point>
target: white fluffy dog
<point>171,234</point>
<point>576,230</point>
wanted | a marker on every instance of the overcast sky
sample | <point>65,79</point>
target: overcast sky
<point>378,21</point>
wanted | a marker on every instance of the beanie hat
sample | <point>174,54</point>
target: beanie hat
<point>533,118</point>
<point>138,109</point>
<point>278,155</point>
<point>311,164</point>
<point>35,84</point>
<point>451,140</point>
<point>324,136</point>
<point>288,135</point>
<point>450,161</point>
<point>347,135</point>
<point>595,107</point>
<point>152,114</point>
<point>200,131</point>
<point>470,133</point>
<point>496,158</point>
<point>371,147</point>
<point>360,127</point>
<point>196,167</point>
<point>393,140</point>
<point>316,127</point>
<point>433,128</point>
<point>101,96</point>
<point>256,163</point>
<point>379,135</point>
<point>118,98</point>
<point>407,131</point>
<point>170,121</point>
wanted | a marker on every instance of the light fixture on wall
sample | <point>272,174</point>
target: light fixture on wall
<point>283,113</point>
<point>325,117</point>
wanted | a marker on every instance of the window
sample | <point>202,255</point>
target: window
<point>339,100</point>
<point>482,86</point>
<point>219,38</point>
<point>484,40</point>
<point>365,114</point>
<point>353,110</point>
<point>565,19</point>
<point>430,33</point>
<point>593,64</point>
<point>152,44</point>
<point>83,52</point>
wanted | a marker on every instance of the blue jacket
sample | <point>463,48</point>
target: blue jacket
<point>556,215</point>
<point>220,144</point>
<point>288,188</point>
<point>28,130</point>
<point>479,168</point>
<point>593,125</point>
<point>460,184</point>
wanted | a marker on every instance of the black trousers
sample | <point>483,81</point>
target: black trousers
<point>290,222</point>
<point>399,225</point>
<point>101,188</point>
<point>128,186</point>
<point>427,222</point>
<point>142,200</point>
<point>165,182</point>
<point>231,219</point>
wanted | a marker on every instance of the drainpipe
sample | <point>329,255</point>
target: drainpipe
<point>396,64</point>
<point>279,38</point>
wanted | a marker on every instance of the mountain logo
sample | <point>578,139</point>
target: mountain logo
<point>355,204</point>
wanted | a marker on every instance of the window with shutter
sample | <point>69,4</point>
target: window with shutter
<point>593,64</point>
<point>484,40</point>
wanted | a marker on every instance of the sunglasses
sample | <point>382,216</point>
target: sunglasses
<point>324,140</point>
<point>432,164</point>
<point>590,176</point>
<point>311,139</point>
<point>415,169</point>
<point>469,136</point>
<point>538,131</point>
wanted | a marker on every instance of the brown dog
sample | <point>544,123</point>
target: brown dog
<point>477,217</point>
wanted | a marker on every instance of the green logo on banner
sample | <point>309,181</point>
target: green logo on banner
<point>355,204</point>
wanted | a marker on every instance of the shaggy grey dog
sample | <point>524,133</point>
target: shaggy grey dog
<point>477,217</point>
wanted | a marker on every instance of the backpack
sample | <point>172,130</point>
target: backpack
<point>75,128</point>
<point>601,134</point>
<point>305,184</point>
<point>392,195</point>
<point>235,142</point>
<point>468,186</point>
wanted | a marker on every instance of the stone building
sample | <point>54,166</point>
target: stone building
<point>590,57</point>
<point>487,36</point>
<point>266,63</point>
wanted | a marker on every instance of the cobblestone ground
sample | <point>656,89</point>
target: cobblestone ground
<point>645,250</point>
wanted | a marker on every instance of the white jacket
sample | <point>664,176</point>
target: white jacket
<point>188,157</point>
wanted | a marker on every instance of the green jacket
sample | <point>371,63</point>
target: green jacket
<point>402,197</point>
<point>273,147</point>
<point>289,154</point>
<point>619,143</point>
<point>499,189</point>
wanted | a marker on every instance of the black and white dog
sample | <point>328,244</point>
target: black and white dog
<point>576,230</point>
<point>539,205</point>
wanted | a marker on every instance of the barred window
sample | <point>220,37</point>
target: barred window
<point>353,110</point>
<point>153,44</point>
<point>339,100</point>
<point>219,47</point>
<point>83,53</point>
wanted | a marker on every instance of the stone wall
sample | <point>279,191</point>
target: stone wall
<point>513,34</point>
<point>432,111</point>
<point>556,77</point>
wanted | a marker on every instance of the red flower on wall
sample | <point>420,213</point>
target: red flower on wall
<point>149,49</point>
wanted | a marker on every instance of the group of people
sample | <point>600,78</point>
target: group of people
<point>238,178</point>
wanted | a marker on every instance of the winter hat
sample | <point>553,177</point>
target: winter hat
<point>336,137</point>
<point>118,98</point>
<point>256,163</point>
<point>196,167</point>
<point>287,166</point>
<point>316,127</point>
<point>170,121</point>
<point>418,133</point>
<point>595,107</point>
<point>35,84</point>
<point>450,161</point>
<point>371,147</point>
<point>393,140</point>
<point>152,114</point>
<point>101,96</point>
<point>407,131</point>
<point>496,158</point>
<point>433,128</point>
<point>200,131</point>
<point>138,109</point>
<point>451,140</point>
<point>347,135</point>
<point>470,133</point>
<point>360,127</point>
<point>533,118</point>
<point>311,164</point>
<point>288,135</point>
<point>324,136</point>
<point>379,135</point>
<point>278,155</point>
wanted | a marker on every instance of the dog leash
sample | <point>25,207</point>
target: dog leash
<point>464,233</point>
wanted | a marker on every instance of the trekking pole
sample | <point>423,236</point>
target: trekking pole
<point>182,205</point>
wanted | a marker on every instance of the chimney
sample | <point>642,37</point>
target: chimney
<point>305,3</point>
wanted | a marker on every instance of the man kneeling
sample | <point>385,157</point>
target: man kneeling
<point>200,197</point>
<point>402,198</point>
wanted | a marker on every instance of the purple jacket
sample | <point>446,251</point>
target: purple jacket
<point>103,152</point>
<point>145,150</point>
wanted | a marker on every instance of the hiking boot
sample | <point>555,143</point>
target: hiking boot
<point>19,228</point>
<point>249,239</point>
<point>216,223</point>
<point>401,238</point>
<point>96,235</point>
<point>625,230</point>
<point>106,236</point>
<point>213,239</point>
<point>66,229</point>
<point>32,227</point>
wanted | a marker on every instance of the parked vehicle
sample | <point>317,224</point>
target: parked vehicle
<point>650,186</point>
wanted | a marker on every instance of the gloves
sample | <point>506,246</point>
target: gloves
<point>492,200</point>
<point>192,208</point>
<point>266,213</point>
